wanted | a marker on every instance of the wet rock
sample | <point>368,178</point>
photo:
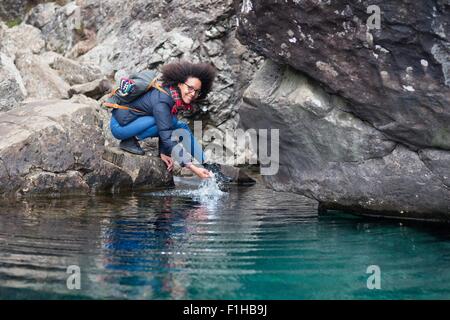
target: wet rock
<point>329,154</point>
<point>238,175</point>
<point>399,185</point>
<point>58,147</point>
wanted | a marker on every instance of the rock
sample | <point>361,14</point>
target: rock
<point>42,14</point>
<point>401,90</point>
<point>329,154</point>
<point>57,147</point>
<point>398,186</point>
<point>74,72</point>
<point>41,81</point>
<point>49,57</point>
<point>82,47</point>
<point>12,89</point>
<point>3,28</point>
<point>24,44</point>
<point>182,172</point>
<point>145,171</point>
<point>238,175</point>
<point>150,146</point>
<point>11,11</point>
<point>61,27</point>
<point>438,161</point>
<point>20,39</point>
<point>94,89</point>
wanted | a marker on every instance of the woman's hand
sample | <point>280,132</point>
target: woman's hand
<point>202,173</point>
<point>168,161</point>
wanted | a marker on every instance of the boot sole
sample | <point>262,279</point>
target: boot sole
<point>133,152</point>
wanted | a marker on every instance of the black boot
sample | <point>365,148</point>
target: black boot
<point>215,168</point>
<point>131,145</point>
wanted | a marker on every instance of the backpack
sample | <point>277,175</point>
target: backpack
<point>132,88</point>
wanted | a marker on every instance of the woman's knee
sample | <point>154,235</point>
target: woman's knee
<point>118,133</point>
<point>115,129</point>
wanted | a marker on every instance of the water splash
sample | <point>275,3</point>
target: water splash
<point>209,189</point>
<point>207,192</point>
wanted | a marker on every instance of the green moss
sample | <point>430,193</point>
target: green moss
<point>13,22</point>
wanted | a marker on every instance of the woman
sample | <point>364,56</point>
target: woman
<point>183,83</point>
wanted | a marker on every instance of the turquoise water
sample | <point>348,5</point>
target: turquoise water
<point>195,243</point>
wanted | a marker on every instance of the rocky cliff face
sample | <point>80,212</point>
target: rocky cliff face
<point>67,48</point>
<point>396,78</point>
<point>113,38</point>
<point>120,37</point>
<point>364,114</point>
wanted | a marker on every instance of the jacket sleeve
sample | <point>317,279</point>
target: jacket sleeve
<point>163,118</point>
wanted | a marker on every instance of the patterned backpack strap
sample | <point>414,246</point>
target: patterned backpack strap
<point>118,106</point>
<point>155,84</point>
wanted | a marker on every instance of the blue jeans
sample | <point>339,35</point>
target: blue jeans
<point>145,127</point>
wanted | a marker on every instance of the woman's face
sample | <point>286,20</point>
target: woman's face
<point>190,89</point>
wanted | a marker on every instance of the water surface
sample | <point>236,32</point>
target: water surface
<point>198,243</point>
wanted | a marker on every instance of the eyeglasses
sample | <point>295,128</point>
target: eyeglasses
<point>192,89</point>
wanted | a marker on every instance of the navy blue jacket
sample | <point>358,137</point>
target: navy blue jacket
<point>157,104</point>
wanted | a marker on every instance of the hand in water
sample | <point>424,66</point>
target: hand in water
<point>203,173</point>
<point>200,172</point>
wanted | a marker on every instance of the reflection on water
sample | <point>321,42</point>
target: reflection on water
<point>197,242</point>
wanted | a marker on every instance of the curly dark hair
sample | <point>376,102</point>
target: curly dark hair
<point>178,72</point>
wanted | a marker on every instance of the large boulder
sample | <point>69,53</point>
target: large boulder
<point>58,147</point>
<point>396,78</point>
<point>95,89</point>
<point>21,38</point>
<point>363,113</point>
<point>74,72</point>
<point>329,154</point>
<point>41,81</point>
